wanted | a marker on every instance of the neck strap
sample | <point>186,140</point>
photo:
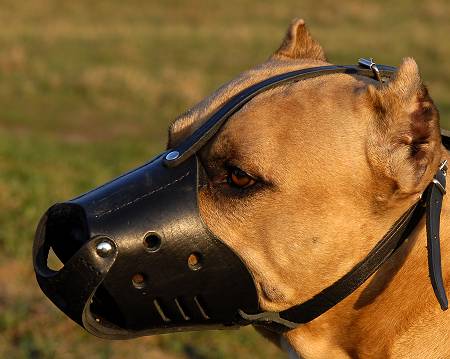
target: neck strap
<point>431,203</point>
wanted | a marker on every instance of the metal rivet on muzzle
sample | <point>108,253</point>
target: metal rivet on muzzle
<point>173,155</point>
<point>105,248</point>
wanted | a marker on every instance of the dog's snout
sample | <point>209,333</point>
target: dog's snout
<point>66,230</point>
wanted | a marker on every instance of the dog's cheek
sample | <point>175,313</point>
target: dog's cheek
<point>244,238</point>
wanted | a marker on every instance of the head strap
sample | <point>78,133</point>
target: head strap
<point>208,129</point>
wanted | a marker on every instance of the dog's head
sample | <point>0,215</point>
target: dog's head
<point>300,183</point>
<point>307,177</point>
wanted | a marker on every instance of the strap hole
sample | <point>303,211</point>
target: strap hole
<point>152,242</point>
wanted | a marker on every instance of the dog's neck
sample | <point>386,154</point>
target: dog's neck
<point>383,317</point>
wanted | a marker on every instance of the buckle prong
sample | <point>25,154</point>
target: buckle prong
<point>444,167</point>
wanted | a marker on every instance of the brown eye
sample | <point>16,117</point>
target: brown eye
<point>238,178</point>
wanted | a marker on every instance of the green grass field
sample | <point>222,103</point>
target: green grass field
<point>87,90</point>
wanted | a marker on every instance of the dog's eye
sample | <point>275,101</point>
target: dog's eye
<point>238,178</point>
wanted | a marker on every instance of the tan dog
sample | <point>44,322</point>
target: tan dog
<point>307,178</point>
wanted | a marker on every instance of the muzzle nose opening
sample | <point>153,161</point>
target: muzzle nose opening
<point>66,232</point>
<point>63,233</point>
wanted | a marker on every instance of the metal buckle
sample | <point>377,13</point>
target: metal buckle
<point>439,186</point>
<point>371,65</point>
<point>444,167</point>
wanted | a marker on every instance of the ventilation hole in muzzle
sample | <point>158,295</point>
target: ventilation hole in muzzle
<point>139,281</point>
<point>201,307</point>
<point>159,308</point>
<point>152,242</point>
<point>195,261</point>
<point>182,308</point>
<point>53,262</point>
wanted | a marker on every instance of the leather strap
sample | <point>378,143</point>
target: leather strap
<point>342,288</point>
<point>346,285</point>
<point>207,130</point>
<point>435,195</point>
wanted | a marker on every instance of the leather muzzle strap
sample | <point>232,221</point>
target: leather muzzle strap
<point>343,287</point>
<point>435,195</point>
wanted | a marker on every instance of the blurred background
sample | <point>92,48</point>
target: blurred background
<point>87,90</point>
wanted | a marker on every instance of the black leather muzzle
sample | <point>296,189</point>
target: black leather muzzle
<point>138,258</point>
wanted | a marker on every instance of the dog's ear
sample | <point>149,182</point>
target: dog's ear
<point>299,44</point>
<point>404,144</point>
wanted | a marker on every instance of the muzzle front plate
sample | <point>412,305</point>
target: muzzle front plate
<point>139,260</point>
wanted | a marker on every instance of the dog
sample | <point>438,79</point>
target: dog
<point>306,178</point>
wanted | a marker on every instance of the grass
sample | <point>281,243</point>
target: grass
<point>87,90</point>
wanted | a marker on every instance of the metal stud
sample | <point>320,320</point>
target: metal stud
<point>105,248</point>
<point>172,155</point>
